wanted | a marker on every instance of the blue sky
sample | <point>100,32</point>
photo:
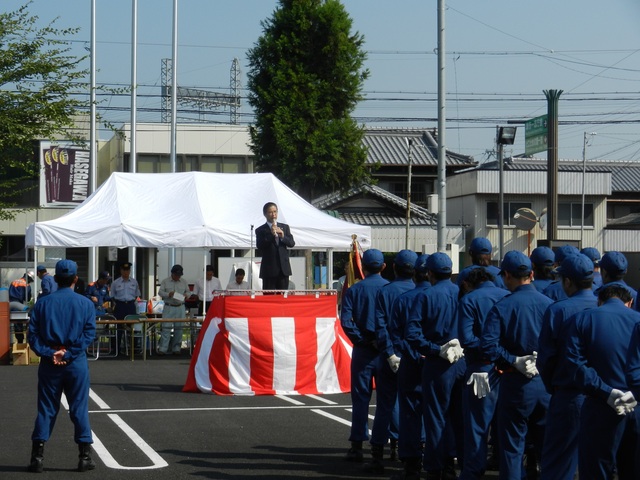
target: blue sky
<point>501,55</point>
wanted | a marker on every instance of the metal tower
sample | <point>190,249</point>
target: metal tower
<point>202,102</point>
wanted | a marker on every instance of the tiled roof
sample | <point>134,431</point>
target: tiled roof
<point>393,215</point>
<point>625,176</point>
<point>391,147</point>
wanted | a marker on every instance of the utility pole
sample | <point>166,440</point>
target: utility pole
<point>406,240</point>
<point>552,163</point>
<point>442,119</point>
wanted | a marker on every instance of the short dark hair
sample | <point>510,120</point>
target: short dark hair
<point>240,271</point>
<point>65,281</point>
<point>614,291</point>
<point>481,259</point>
<point>478,276</point>
<point>440,275</point>
<point>267,206</point>
<point>583,284</point>
<point>404,271</point>
<point>372,269</point>
<point>543,272</point>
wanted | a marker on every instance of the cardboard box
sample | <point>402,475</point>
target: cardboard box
<point>33,358</point>
<point>20,354</point>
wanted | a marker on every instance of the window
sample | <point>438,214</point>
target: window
<point>508,211</point>
<point>569,214</point>
<point>419,191</point>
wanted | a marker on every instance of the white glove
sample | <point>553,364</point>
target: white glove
<point>452,351</point>
<point>625,404</point>
<point>614,396</point>
<point>526,365</point>
<point>394,362</point>
<point>480,381</point>
<point>530,365</point>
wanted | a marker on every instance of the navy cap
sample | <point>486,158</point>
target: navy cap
<point>543,256</point>
<point>440,263</point>
<point>177,270</point>
<point>592,253</point>
<point>614,263</point>
<point>41,268</point>
<point>576,267</point>
<point>565,251</point>
<point>480,245</point>
<point>373,258</point>
<point>405,258</point>
<point>125,266</point>
<point>66,268</point>
<point>421,263</point>
<point>516,263</point>
<point>104,274</point>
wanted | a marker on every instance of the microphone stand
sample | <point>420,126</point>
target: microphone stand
<point>251,262</point>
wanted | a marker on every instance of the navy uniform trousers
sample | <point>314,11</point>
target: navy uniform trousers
<point>73,381</point>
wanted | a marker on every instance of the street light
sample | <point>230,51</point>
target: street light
<point>504,136</point>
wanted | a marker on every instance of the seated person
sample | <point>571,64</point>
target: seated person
<point>239,283</point>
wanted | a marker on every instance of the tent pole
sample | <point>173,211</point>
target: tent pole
<point>329,268</point>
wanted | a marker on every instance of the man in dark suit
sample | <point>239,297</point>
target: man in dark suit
<point>273,240</point>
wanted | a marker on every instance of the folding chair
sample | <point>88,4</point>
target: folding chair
<point>146,340</point>
<point>105,343</point>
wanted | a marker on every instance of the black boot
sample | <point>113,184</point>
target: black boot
<point>411,470</point>
<point>36,464</point>
<point>375,466</point>
<point>393,449</point>
<point>84,458</point>
<point>354,454</point>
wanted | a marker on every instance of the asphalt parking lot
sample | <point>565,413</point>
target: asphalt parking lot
<point>146,427</point>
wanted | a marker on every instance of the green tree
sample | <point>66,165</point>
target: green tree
<point>305,79</point>
<point>38,97</point>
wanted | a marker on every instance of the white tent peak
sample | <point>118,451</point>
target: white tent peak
<point>191,209</point>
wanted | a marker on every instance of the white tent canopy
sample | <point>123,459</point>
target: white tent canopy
<point>191,209</point>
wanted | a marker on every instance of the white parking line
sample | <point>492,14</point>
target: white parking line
<point>288,399</point>
<point>156,460</point>
<point>322,399</point>
<point>334,417</point>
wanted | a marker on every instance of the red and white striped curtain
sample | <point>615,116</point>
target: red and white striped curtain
<point>271,344</point>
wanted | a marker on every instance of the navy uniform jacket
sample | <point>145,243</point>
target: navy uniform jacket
<point>551,352</point>
<point>387,297</point>
<point>274,253</point>
<point>555,291</point>
<point>597,347</point>
<point>47,285</point>
<point>542,283</point>
<point>472,313</point>
<point>513,325</point>
<point>101,293</point>
<point>633,363</point>
<point>399,316</point>
<point>20,291</point>
<point>358,316</point>
<point>62,319</point>
<point>433,320</point>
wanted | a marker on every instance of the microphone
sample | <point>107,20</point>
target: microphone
<point>275,224</point>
